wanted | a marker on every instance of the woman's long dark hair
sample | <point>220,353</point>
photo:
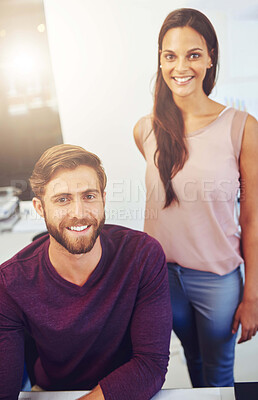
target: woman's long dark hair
<point>168,125</point>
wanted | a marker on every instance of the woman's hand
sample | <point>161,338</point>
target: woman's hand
<point>247,316</point>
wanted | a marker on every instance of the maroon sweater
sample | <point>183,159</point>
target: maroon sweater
<point>114,330</point>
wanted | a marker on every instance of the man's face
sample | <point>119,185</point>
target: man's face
<point>73,208</point>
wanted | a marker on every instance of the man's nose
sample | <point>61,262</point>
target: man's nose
<point>78,209</point>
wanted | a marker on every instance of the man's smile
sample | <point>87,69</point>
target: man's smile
<point>78,228</point>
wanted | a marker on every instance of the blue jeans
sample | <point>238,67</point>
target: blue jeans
<point>203,306</point>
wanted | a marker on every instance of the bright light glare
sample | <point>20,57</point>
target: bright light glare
<point>22,68</point>
<point>24,64</point>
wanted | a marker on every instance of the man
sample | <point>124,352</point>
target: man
<point>94,297</point>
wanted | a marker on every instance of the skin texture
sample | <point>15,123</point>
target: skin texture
<point>184,54</point>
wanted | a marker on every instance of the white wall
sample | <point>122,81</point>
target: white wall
<point>104,56</point>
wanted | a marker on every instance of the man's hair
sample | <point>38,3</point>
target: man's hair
<point>64,156</point>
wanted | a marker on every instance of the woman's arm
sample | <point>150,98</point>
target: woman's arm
<point>138,133</point>
<point>247,312</point>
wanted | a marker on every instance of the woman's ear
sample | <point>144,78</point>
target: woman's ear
<point>211,54</point>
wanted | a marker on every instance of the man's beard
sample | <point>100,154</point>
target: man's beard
<point>80,245</point>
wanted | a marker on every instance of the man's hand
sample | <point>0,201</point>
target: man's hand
<point>95,394</point>
<point>247,316</point>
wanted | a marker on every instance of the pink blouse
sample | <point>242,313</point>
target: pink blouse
<point>201,232</point>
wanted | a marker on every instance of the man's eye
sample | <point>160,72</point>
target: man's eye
<point>62,199</point>
<point>90,196</point>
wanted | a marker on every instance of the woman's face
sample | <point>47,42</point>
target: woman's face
<point>184,61</point>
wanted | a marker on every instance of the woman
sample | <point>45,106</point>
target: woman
<point>197,151</point>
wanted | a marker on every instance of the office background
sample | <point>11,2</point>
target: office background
<point>104,58</point>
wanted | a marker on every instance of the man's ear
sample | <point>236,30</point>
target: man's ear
<point>104,198</point>
<point>37,204</point>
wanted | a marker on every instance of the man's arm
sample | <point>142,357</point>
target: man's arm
<point>11,349</point>
<point>150,327</point>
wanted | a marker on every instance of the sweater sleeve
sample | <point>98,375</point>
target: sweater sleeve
<point>151,325</point>
<point>11,347</point>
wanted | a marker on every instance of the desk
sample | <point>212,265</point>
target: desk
<point>165,394</point>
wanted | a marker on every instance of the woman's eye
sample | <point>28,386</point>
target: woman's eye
<point>194,56</point>
<point>169,57</point>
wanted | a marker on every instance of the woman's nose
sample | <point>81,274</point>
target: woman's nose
<point>182,64</point>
